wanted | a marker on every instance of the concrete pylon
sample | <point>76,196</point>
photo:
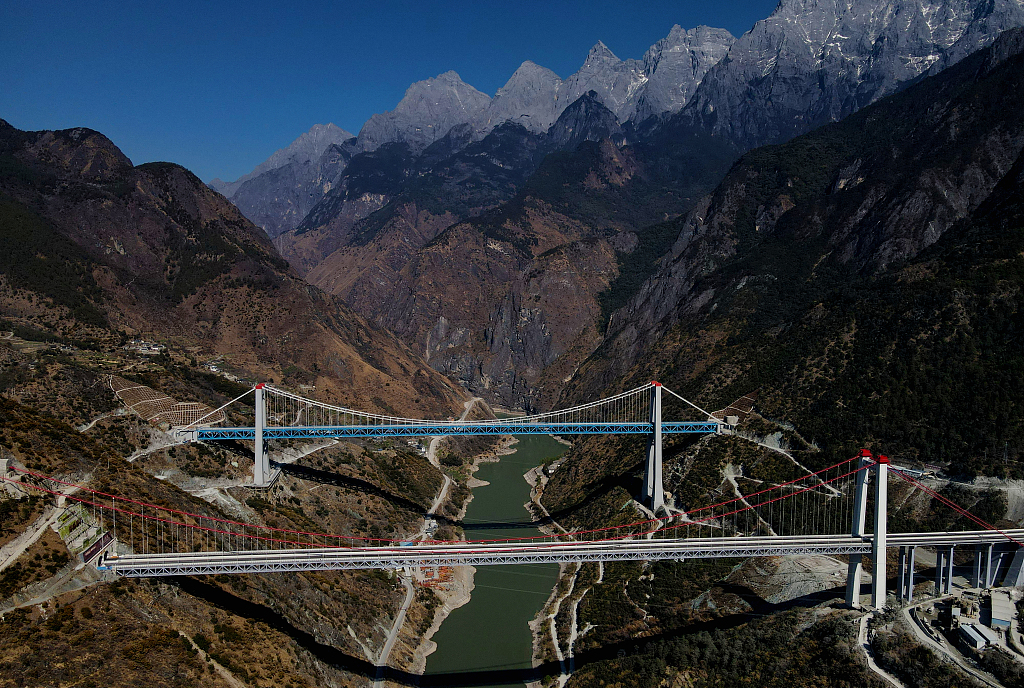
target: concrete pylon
<point>860,507</point>
<point>260,465</point>
<point>944,570</point>
<point>878,572</point>
<point>654,488</point>
<point>910,573</point>
<point>949,571</point>
<point>906,573</point>
<point>901,574</point>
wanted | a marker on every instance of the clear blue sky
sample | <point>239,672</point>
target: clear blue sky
<point>219,86</point>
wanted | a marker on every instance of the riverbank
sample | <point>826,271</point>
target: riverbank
<point>460,592</point>
<point>545,636</point>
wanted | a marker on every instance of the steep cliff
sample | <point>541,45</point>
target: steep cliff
<point>810,63</point>
<point>856,274</point>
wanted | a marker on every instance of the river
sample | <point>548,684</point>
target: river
<point>489,638</point>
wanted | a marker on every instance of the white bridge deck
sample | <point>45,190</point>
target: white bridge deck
<point>482,554</point>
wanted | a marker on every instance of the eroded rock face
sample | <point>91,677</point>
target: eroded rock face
<point>429,109</point>
<point>285,187</point>
<point>894,179</point>
<point>488,310</point>
<point>811,62</point>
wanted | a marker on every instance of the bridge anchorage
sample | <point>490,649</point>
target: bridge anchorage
<point>283,415</point>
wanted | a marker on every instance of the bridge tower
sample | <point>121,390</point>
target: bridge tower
<point>878,572</point>
<point>654,488</point>
<point>860,508</point>
<point>261,462</point>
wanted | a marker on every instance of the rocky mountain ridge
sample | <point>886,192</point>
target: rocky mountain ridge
<point>810,63</point>
<point>99,245</point>
<point>839,256</point>
<point>280,191</point>
<point>803,66</point>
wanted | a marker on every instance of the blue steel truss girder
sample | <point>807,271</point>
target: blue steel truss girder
<point>307,432</point>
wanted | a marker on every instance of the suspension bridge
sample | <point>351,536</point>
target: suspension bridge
<point>822,512</point>
<point>282,415</point>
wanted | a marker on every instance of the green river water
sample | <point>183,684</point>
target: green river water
<point>489,637</point>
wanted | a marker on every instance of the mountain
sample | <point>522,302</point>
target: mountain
<point>282,189</point>
<point>99,248</point>
<point>279,193</point>
<point>815,62</point>
<point>525,212</point>
<point>429,109</point>
<point>674,67</point>
<point>528,98</point>
<point>587,119</point>
<point>614,81</point>
<point>491,268</point>
<point>864,283</point>
<point>865,276</point>
<point>97,252</point>
<point>305,149</point>
<point>453,178</point>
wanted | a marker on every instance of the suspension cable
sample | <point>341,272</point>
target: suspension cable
<point>709,415</point>
<point>285,531</point>
<point>195,422</point>
<point>954,506</point>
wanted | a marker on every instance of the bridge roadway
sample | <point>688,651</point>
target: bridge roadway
<point>505,427</point>
<point>482,554</point>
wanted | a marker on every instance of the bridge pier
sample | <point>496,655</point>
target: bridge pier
<point>906,573</point>
<point>860,505</point>
<point>944,570</point>
<point>984,570</point>
<point>901,573</point>
<point>977,576</point>
<point>654,487</point>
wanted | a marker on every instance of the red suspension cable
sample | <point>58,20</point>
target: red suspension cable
<point>311,535</point>
<point>954,506</point>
